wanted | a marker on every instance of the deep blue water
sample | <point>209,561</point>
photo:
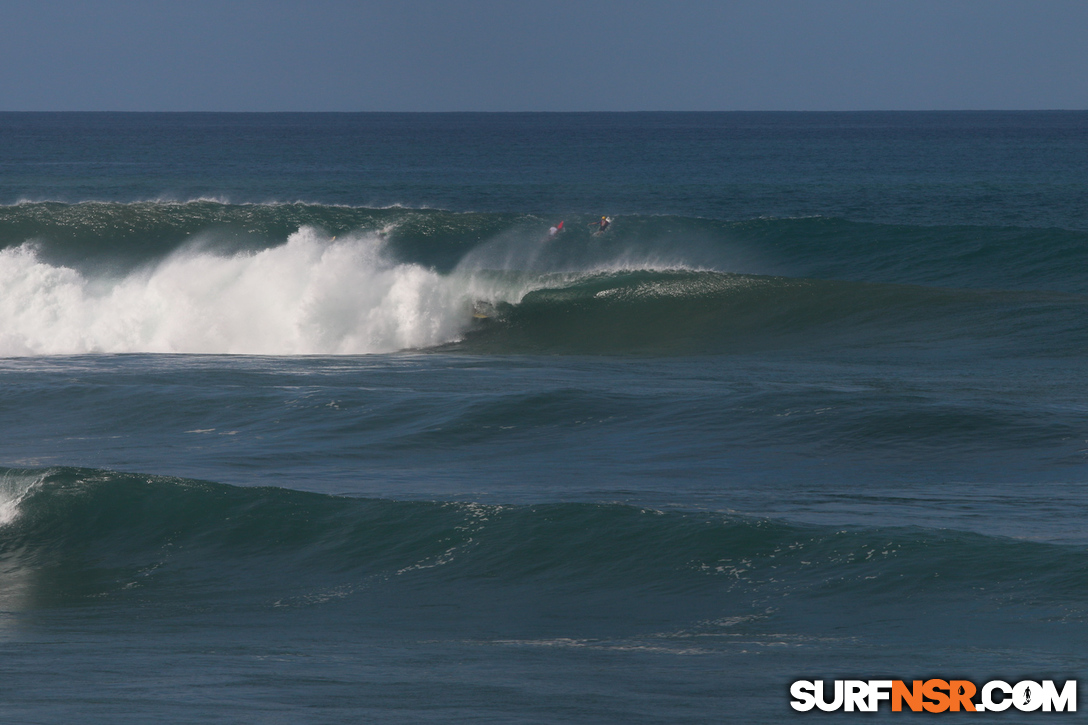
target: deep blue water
<point>306,419</point>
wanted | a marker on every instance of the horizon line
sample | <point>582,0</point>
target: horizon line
<point>568,112</point>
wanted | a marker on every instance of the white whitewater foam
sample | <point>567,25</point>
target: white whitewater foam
<point>14,486</point>
<point>9,509</point>
<point>310,295</point>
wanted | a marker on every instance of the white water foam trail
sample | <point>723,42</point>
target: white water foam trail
<point>308,296</point>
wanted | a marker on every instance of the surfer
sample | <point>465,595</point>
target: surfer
<point>602,225</point>
<point>554,231</point>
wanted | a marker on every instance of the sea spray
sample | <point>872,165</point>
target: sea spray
<point>15,484</point>
<point>310,295</point>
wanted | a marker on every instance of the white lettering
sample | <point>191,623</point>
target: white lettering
<point>1066,701</point>
<point>804,695</point>
<point>834,704</point>
<point>1027,696</point>
<point>997,705</point>
<point>879,690</point>
<point>857,695</point>
<point>995,696</point>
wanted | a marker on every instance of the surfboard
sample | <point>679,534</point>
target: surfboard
<point>482,310</point>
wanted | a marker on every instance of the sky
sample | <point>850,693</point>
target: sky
<point>542,55</point>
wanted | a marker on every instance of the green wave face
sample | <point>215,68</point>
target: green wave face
<point>690,312</point>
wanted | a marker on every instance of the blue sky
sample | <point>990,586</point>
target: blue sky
<point>542,55</point>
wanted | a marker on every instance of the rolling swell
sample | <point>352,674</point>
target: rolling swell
<point>82,536</point>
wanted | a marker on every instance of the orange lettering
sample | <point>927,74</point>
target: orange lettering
<point>961,692</point>
<point>913,696</point>
<point>932,690</point>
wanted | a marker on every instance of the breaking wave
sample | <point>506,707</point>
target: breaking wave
<point>296,279</point>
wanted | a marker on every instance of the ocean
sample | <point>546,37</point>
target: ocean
<point>306,418</point>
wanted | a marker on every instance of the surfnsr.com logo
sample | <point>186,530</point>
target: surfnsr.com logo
<point>934,696</point>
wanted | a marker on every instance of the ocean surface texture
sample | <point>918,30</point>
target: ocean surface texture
<point>306,419</point>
